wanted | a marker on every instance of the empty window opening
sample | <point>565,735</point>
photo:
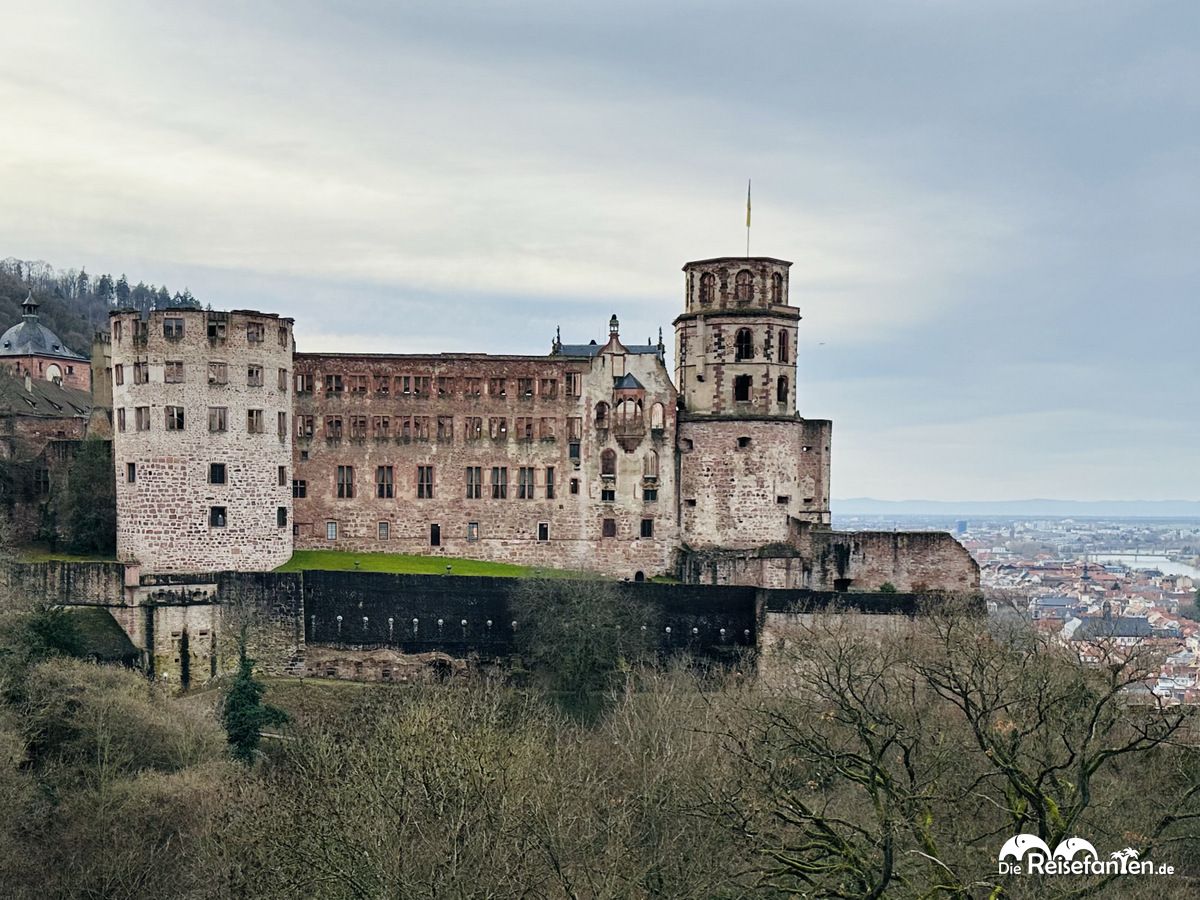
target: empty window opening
<point>216,473</point>
<point>743,442</point>
<point>281,517</point>
<point>784,350</point>
<point>744,344</point>
<point>601,414</point>
<point>435,535</point>
<point>543,531</point>
<point>777,288</point>
<point>741,388</point>
<point>781,389</point>
<point>783,499</point>
<point>743,286</point>
<point>216,517</point>
<point>708,287</point>
<point>689,502</point>
<point>574,487</point>
<point>608,463</point>
<point>131,472</point>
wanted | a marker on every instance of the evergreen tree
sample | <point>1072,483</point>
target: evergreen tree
<point>122,291</point>
<point>163,300</point>
<point>84,284</point>
<point>242,711</point>
<point>104,290</point>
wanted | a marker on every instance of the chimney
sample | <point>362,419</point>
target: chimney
<point>28,383</point>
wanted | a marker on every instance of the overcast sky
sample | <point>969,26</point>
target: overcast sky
<point>992,207</point>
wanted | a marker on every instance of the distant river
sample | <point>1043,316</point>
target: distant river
<point>1147,561</point>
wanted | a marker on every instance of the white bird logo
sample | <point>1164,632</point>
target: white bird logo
<point>1020,844</point>
<point>1068,848</point>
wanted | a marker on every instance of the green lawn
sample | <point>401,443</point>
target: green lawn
<point>341,561</point>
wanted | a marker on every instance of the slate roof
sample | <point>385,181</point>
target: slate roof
<point>44,400</point>
<point>627,382</point>
<point>1097,627</point>
<point>31,338</point>
<point>593,348</point>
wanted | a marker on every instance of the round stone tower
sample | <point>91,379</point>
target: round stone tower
<point>736,339</point>
<point>753,472</point>
<point>202,441</point>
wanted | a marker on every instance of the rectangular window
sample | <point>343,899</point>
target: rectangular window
<point>524,387</point>
<point>331,531</point>
<point>650,495</point>
<point>304,383</point>
<point>216,517</point>
<point>421,385</point>
<point>525,483</point>
<point>499,482</point>
<point>421,428</point>
<point>647,528</point>
<point>385,487</point>
<point>445,429</point>
<point>333,428</point>
<point>283,479</point>
<point>424,482</point>
<point>281,424</point>
<point>282,336</point>
<point>543,531</point>
<point>345,482</point>
<point>254,421</point>
<point>381,426</point>
<point>120,420</point>
<point>549,482</point>
<point>173,372</point>
<point>574,487</point>
<point>574,384</point>
<point>216,473</point>
<point>333,384</point>
<point>547,428</point>
<point>404,429</point>
<point>445,386</point>
<point>281,517</point>
<point>172,328</point>
<point>216,329</point>
<point>575,428</point>
<point>281,381</point>
<point>118,374</point>
<point>304,426</point>
<point>141,373</point>
<point>254,376</point>
<point>473,430</point>
<point>524,428</point>
<point>435,535</point>
<point>131,472</point>
<point>358,384</point>
<point>497,387</point>
<point>474,482</point>
<point>473,387</point>
<point>142,414</point>
<point>498,428</point>
<point>299,488</point>
<point>608,495</point>
<point>383,531</point>
<point>218,418</point>
<point>548,388</point>
<point>404,384</point>
<point>358,428</point>
<point>255,332</point>
<point>472,532</point>
<point>573,452</point>
<point>383,386</point>
<point>218,373</point>
<point>609,528</point>
<point>116,330</point>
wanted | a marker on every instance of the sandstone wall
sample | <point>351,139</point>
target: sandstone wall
<point>910,560</point>
<point>168,516</point>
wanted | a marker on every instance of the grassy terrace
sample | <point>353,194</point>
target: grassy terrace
<point>41,554</point>
<point>397,563</point>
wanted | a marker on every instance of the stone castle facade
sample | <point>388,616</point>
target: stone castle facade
<point>231,450</point>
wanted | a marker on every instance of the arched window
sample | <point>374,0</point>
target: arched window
<point>744,343</point>
<point>629,412</point>
<point>608,462</point>
<point>743,286</point>
<point>657,417</point>
<point>781,389</point>
<point>53,373</point>
<point>601,414</point>
<point>783,345</point>
<point>708,287</point>
<point>776,288</point>
<point>741,388</point>
<point>650,465</point>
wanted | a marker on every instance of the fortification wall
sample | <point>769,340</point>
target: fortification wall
<point>909,560</point>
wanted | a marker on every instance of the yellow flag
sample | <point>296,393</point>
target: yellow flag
<point>747,202</point>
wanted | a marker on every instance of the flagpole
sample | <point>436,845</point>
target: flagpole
<point>747,218</point>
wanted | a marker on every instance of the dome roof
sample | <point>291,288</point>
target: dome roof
<point>31,338</point>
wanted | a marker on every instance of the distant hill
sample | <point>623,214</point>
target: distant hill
<point>74,304</point>
<point>867,506</point>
